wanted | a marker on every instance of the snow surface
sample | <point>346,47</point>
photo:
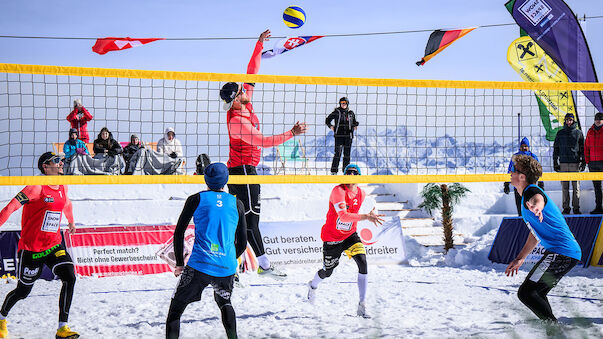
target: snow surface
<point>433,295</point>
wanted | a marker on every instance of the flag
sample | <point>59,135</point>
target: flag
<point>534,65</point>
<point>554,27</point>
<point>104,45</point>
<point>287,44</point>
<point>438,40</point>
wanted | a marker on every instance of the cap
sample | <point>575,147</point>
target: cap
<point>216,176</point>
<point>73,130</point>
<point>77,102</point>
<point>569,116</point>
<point>352,167</point>
<point>228,93</point>
<point>599,116</point>
<point>345,99</point>
<point>44,158</point>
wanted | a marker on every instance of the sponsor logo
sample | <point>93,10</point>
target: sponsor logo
<point>215,247</point>
<point>367,236</point>
<point>22,198</point>
<point>49,199</point>
<point>535,10</point>
<point>60,253</point>
<point>29,272</point>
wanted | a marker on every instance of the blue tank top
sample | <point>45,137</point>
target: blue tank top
<point>553,232</point>
<point>216,219</point>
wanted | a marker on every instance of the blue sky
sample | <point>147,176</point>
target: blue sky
<point>481,55</point>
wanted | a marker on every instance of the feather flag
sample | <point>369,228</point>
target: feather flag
<point>438,40</point>
<point>287,44</point>
<point>104,45</point>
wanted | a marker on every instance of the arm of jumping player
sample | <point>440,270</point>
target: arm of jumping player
<point>68,210</point>
<point>254,63</point>
<point>241,232</point>
<point>28,193</point>
<point>528,247</point>
<point>241,128</point>
<point>190,206</point>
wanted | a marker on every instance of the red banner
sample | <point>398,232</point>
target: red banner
<point>111,251</point>
<point>104,45</point>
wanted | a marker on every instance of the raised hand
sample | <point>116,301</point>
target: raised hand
<point>374,218</point>
<point>264,36</point>
<point>299,128</point>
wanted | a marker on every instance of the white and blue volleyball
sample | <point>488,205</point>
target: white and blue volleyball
<point>294,17</point>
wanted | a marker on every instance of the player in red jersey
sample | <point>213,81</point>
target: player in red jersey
<point>40,243</point>
<point>339,235</point>
<point>246,143</point>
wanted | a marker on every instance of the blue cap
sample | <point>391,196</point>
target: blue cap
<point>216,176</point>
<point>525,141</point>
<point>352,166</point>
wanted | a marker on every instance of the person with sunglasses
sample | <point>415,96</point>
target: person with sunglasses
<point>568,156</point>
<point>246,144</point>
<point>339,235</point>
<point>547,226</point>
<point>41,242</point>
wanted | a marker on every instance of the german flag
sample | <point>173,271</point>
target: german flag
<point>438,40</point>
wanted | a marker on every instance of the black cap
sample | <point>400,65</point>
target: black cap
<point>44,158</point>
<point>569,116</point>
<point>345,99</point>
<point>599,116</point>
<point>73,130</point>
<point>228,93</point>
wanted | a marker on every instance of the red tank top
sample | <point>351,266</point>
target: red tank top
<point>335,229</point>
<point>242,153</point>
<point>41,218</point>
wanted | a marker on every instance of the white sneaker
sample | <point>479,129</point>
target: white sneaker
<point>311,292</point>
<point>362,310</point>
<point>272,272</point>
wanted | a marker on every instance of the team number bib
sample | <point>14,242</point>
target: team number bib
<point>51,221</point>
<point>344,226</point>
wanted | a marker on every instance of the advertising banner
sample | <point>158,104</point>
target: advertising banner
<point>513,232</point>
<point>9,244</point>
<point>111,251</point>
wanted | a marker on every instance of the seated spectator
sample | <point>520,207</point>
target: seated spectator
<point>169,144</point>
<point>78,118</point>
<point>74,145</point>
<point>134,146</point>
<point>105,145</point>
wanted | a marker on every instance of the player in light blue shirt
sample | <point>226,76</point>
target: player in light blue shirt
<point>547,226</point>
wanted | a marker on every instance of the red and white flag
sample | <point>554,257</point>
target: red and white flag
<point>104,45</point>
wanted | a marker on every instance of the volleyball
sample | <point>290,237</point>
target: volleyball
<point>294,17</point>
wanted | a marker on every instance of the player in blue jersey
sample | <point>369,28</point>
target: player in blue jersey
<point>220,238</point>
<point>547,226</point>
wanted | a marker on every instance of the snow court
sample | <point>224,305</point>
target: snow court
<point>404,301</point>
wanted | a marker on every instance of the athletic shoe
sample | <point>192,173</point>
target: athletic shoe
<point>311,292</point>
<point>237,281</point>
<point>66,333</point>
<point>566,211</point>
<point>3,329</point>
<point>597,210</point>
<point>577,211</point>
<point>272,272</point>
<point>362,310</point>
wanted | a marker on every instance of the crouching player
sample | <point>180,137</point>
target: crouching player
<point>547,225</point>
<point>339,235</point>
<point>40,243</point>
<point>220,238</point>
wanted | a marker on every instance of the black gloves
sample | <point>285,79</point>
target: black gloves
<point>582,165</point>
<point>173,155</point>
<point>541,184</point>
<point>506,188</point>
<point>556,166</point>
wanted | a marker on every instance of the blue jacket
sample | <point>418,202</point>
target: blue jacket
<point>526,142</point>
<point>70,147</point>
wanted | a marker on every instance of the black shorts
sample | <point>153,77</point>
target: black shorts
<point>30,263</point>
<point>550,269</point>
<point>249,194</point>
<point>192,283</point>
<point>332,250</point>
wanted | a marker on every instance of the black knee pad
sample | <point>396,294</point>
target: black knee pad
<point>360,260</point>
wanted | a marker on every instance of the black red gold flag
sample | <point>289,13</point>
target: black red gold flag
<point>439,39</point>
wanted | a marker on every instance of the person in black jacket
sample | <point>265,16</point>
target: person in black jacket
<point>343,130</point>
<point>105,145</point>
<point>134,146</point>
<point>568,156</point>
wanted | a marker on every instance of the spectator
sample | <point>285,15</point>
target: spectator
<point>343,131</point>
<point>568,156</point>
<point>169,144</point>
<point>524,148</point>
<point>593,155</point>
<point>74,145</point>
<point>79,118</point>
<point>134,146</point>
<point>105,145</point>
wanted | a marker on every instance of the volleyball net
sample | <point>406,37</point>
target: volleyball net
<point>409,130</point>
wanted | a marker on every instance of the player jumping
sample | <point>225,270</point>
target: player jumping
<point>40,243</point>
<point>339,235</point>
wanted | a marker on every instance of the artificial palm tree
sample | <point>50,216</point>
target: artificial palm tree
<point>444,198</point>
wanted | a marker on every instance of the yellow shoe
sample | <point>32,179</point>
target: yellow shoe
<point>3,329</point>
<point>66,333</point>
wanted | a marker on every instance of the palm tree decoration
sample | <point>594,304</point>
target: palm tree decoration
<point>443,197</point>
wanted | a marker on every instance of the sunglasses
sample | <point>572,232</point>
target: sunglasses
<point>242,89</point>
<point>55,160</point>
<point>351,172</point>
